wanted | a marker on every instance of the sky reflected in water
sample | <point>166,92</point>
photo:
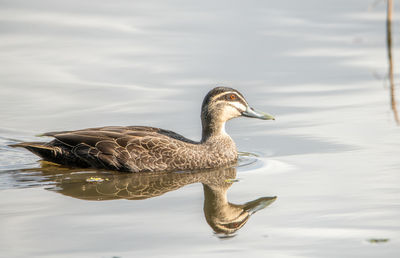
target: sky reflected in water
<point>320,67</point>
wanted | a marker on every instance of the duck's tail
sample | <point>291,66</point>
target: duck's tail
<point>42,149</point>
<point>53,152</point>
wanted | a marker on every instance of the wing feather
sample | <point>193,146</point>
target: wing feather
<point>130,148</point>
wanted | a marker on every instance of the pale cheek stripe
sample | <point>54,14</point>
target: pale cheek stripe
<point>239,106</point>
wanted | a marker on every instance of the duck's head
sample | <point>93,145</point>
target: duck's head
<point>222,104</point>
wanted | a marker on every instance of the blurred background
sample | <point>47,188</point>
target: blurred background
<point>327,70</point>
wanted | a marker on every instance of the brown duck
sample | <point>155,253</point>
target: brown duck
<point>141,148</point>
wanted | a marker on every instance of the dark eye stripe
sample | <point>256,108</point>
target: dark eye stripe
<point>226,97</point>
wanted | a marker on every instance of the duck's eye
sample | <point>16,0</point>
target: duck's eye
<point>232,97</point>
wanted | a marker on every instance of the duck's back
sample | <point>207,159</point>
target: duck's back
<point>131,148</point>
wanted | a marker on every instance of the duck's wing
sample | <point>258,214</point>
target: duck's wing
<point>131,148</point>
<point>128,130</point>
<point>118,129</point>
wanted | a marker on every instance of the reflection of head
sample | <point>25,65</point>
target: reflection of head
<point>226,218</point>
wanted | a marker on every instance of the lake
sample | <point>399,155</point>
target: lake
<point>322,180</point>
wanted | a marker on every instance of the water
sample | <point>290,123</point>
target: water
<point>320,67</point>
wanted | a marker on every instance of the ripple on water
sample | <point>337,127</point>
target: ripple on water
<point>256,162</point>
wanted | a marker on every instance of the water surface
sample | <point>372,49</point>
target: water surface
<point>331,157</point>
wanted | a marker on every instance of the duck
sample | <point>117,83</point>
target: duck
<point>150,149</point>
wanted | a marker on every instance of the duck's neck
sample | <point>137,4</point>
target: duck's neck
<point>213,129</point>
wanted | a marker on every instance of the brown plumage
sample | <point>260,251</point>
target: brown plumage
<point>140,148</point>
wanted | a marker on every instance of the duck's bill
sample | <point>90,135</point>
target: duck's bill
<point>250,112</point>
<point>258,204</point>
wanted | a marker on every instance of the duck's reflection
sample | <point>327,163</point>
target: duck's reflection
<point>225,218</point>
